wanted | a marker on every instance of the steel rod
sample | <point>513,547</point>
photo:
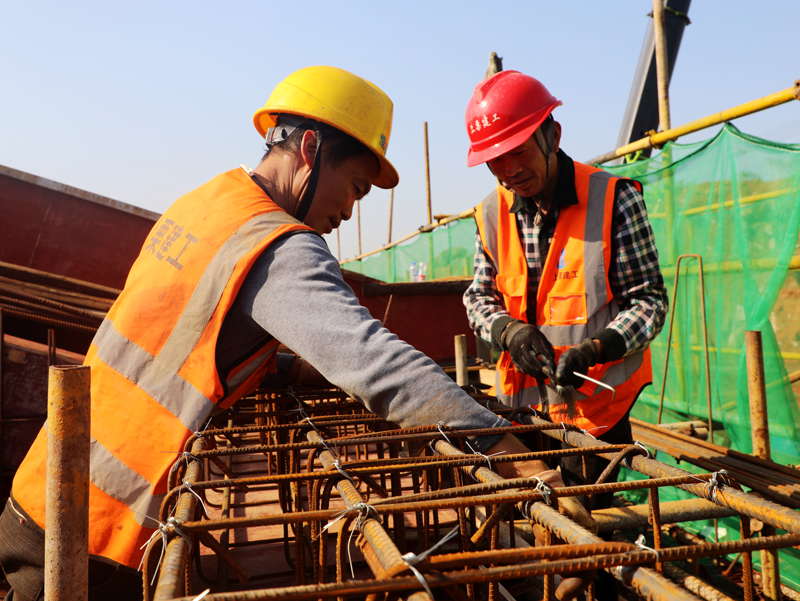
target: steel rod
<point>759,423</point>
<point>462,375</point>
<point>66,574</point>
<point>427,176</point>
<point>658,139</point>
<point>662,70</point>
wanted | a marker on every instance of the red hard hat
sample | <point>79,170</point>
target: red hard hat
<point>503,112</point>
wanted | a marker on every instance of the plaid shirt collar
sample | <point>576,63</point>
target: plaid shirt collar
<point>565,189</point>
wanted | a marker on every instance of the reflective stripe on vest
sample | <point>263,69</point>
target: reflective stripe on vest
<point>572,304</point>
<point>155,386</point>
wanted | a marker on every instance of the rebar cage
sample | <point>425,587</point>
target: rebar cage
<point>306,495</point>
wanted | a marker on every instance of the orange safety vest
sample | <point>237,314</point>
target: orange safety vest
<point>574,300</point>
<point>154,378</point>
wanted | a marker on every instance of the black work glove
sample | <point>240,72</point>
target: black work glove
<point>576,359</point>
<point>530,351</point>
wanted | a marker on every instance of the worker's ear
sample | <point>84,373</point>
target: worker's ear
<point>556,136</point>
<point>308,147</point>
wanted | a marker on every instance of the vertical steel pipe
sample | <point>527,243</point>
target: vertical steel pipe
<point>462,375</point>
<point>66,556</point>
<point>757,391</point>
<point>662,69</point>
<point>358,219</point>
<point>391,212</point>
<point>427,176</point>
<point>759,423</point>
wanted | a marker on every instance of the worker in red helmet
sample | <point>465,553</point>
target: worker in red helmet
<point>567,281</point>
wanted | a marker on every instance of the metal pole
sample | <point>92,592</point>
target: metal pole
<point>391,208</point>
<point>66,550</point>
<point>427,175</point>
<point>661,65</point>
<point>741,110</point>
<point>759,425</point>
<point>462,375</point>
<point>358,216</point>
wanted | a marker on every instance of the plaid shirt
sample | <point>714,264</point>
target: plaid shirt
<point>634,274</point>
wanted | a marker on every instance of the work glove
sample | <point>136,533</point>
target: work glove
<point>577,359</point>
<point>531,352</point>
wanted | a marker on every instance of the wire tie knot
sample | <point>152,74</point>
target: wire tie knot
<point>440,425</point>
<point>338,465</point>
<point>590,430</point>
<point>188,485</point>
<point>185,456</point>
<point>640,543</point>
<point>161,530</point>
<point>412,560</point>
<point>201,433</point>
<point>544,489</point>
<point>716,483</point>
<point>641,445</point>
<point>488,459</point>
<point>365,511</point>
<point>173,524</point>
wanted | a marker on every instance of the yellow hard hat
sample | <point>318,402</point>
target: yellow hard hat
<point>342,100</point>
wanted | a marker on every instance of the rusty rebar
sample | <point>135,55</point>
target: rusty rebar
<point>66,557</point>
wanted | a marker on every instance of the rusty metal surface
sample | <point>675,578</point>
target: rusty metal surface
<point>344,505</point>
<point>67,490</point>
<point>622,518</point>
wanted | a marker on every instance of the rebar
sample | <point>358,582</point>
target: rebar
<point>361,495</point>
<point>66,556</point>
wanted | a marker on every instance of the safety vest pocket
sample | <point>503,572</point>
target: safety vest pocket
<point>566,309</point>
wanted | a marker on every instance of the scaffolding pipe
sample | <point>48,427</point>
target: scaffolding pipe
<point>66,557</point>
<point>662,69</point>
<point>659,139</point>
<point>391,212</point>
<point>423,229</point>
<point>427,176</point>
<point>759,424</point>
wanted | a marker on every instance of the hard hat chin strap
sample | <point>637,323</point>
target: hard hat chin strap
<point>313,179</point>
<point>284,127</point>
<point>546,141</point>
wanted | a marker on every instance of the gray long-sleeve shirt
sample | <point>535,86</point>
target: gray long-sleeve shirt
<point>296,293</point>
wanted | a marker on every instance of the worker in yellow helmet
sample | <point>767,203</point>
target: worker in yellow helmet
<point>229,270</point>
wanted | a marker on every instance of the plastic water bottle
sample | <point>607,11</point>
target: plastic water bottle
<point>421,272</point>
<point>413,273</point>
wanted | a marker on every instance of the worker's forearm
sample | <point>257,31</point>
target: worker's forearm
<point>296,293</point>
<point>510,445</point>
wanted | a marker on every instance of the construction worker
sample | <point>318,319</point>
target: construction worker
<point>566,277</point>
<point>229,270</point>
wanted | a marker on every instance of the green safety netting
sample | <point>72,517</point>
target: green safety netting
<point>447,251</point>
<point>735,201</point>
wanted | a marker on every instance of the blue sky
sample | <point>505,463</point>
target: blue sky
<point>144,101</point>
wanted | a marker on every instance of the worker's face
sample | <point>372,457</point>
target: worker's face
<point>524,168</point>
<point>338,189</point>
